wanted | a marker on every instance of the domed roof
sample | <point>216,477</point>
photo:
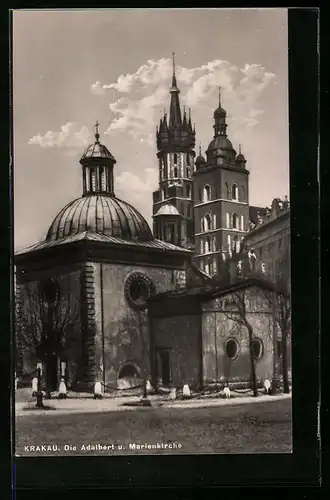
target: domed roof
<point>104,215</point>
<point>219,112</point>
<point>97,150</point>
<point>240,157</point>
<point>167,209</point>
<point>200,159</point>
<point>220,142</point>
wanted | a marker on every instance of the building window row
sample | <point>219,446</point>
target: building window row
<point>208,223</point>
<point>234,243</point>
<point>234,221</point>
<point>208,245</point>
<point>210,268</point>
<point>232,348</point>
<point>233,193</point>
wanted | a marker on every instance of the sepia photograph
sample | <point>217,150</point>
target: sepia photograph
<point>151,211</point>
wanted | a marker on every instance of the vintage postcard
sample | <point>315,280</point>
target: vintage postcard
<point>151,232</point>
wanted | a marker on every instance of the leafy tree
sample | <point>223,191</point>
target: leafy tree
<point>46,317</point>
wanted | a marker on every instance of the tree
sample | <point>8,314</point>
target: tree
<point>237,311</point>
<point>283,312</point>
<point>46,317</point>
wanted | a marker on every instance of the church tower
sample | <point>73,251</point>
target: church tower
<point>173,201</point>
<point>221,198</point>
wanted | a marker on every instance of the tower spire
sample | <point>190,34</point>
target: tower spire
<point>200,149</point>
<point>97,135</point>
<point>175,112</point>
<point>240,149</point>
<point>219,97</point>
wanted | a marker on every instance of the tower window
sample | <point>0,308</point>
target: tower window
<point>202,246</point>
<point>207,268</point>
<point>103,182</point>
<point>206,193</point>
<point>214,266</point>
<point>175,158</point>
<point>207,222</point>
<point>229,241</point>
<point>227,221</point>
<point>175,171</point>
<point>93,179</point>
<point>234,192</point>
<point>214,221</point>
<point>202,265</point>
<point>207,245</point>
<point>188,191</point>
<point>182,209</point>
<point>187,172</point>
<point>242,222</point>
<point>202,225</point>
<point>214,244</point>
<point>237,244</point>
<point>235,221</point>
<point>187,159</point>
<point>242,193</point>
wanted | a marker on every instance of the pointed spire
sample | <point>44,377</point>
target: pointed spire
<point>219,97</point>
<point>174,84</point>
<point>175,111</point>
<point>200,149</point>
<point>240,149</point>
<point>97,135</point>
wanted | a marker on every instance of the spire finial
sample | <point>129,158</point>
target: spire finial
<point>240,149</point>
<point>184,109</point>
<point>97,135</point>
<point>200,149</point>
<point>173,59</point>
<point>189,111</point>
<point>219,97</point>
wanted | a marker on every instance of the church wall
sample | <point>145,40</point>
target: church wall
<point>120,322</point>
<point>217,328</point>
<point>181,335</point>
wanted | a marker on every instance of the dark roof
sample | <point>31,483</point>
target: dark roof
<point>105,215</point>
<point>100,238</point>
<point>254,211</point>
<point>210,292</point>
<point>97,150</point>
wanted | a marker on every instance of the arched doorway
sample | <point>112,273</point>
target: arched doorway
<point>128,376</point>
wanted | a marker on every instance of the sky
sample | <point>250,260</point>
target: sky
<point>72,68</point>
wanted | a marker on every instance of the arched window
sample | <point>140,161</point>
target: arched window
<point>227,220</point>
<point>202,265</point>
<point>207,222</point>
<point>214,226</point>
<point>163,194</point>
<point>232,348</point>
<point>237,244</point>
<point>214,266</point>
<point>175,171</point>
<point>207,268</point>
<point>92,174</point>
<point>187,172</point>
<point>188,159</point>
<point>234,192</point>
<point>175,159</point>
<point>257,348</point>
<point>235,221</point>
<point>188,191</point>
<point>202,246</point>
<point>214,244</point>
<point>207,245</point>
<point>206,193</point>
<point>229,241</point>
<point>226,190</point>
<point>242,222</point>
<point>103,182</point>
<point>202,225</point>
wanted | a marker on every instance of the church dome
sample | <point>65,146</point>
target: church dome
<point>97,150</point>
<point>219,112</point>
<point>104,215</point>
<point>220,142</point>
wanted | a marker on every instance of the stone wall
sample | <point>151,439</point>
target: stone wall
<point>118,326</point>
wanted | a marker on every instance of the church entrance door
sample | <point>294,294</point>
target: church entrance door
<point>164,366</point>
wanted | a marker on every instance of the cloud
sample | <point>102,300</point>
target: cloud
<point>138,186</point>
<point>140,97</point>
<point>72,135</point>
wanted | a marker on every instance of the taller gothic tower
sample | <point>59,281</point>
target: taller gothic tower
<point>173,201</point>
<point>221,196</point>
